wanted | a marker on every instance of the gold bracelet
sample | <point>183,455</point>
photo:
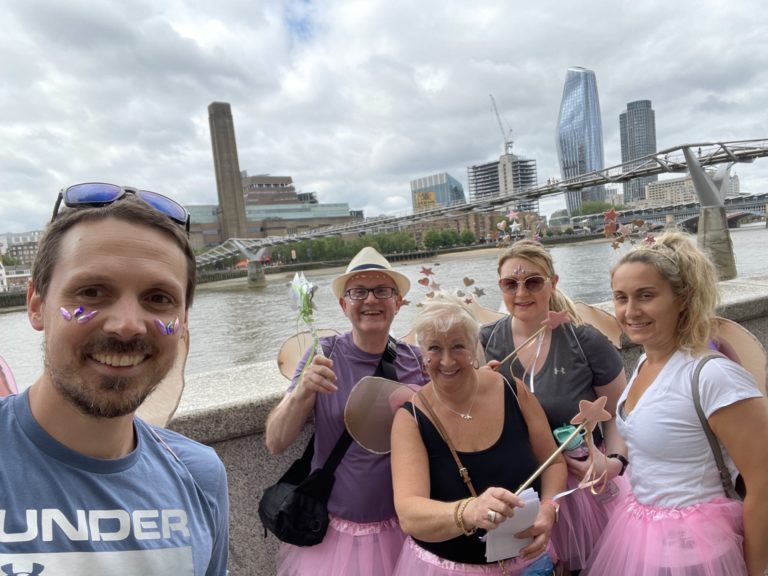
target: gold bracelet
<point>460,516</point>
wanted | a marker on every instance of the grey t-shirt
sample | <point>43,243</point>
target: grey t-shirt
<point>580,358</point>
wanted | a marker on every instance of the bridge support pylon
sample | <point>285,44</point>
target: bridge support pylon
<point>714,238</point>
<point>256,276</point>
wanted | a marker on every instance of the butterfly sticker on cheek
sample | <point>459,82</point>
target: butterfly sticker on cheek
<point>78,314</point>
<point>168,328</point>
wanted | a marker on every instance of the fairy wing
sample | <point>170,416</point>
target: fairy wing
<point>7,381</point>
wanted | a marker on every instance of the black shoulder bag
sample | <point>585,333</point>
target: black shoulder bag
<point>295,509</point>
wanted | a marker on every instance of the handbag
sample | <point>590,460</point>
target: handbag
<point>739,491</point>
<point>295,508</point>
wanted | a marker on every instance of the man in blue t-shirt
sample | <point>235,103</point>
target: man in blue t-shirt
<point>86,487</point>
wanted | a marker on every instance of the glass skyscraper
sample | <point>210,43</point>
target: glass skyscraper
<point>580,133</point>
<point>435,191</point>
<point>638,139</point>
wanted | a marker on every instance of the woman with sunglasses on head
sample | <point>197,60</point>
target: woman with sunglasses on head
<point>677,520</point>
<point>562,366</point>
<point>500,435</point>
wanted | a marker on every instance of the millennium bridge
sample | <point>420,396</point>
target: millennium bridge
<point>670,160</point>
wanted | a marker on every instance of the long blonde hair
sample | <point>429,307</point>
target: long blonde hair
<point>693,280</point>
<point>539,256</point>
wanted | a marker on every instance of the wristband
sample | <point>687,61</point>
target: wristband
<point>622,459</point>
<point>555,504</point>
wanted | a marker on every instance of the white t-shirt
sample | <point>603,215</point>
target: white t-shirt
<point>672,465</point>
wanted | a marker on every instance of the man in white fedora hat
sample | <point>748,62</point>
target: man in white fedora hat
<point>363,536</point>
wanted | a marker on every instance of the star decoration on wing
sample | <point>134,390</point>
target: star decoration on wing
<point>590,413</point>
<point>405,302</point>
<point>649,239</point>
<point>554,319</point>
<point>435,286</point>
<point>467,301</point>
<point>468,281</point>
<point>514,227</point>
<point>426,271</point>
<point>625,229</point>
<point>512,215</point>
<point>479,292</point>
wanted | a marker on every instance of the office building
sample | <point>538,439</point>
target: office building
<point>437,190</point>
<point>637,125</point>
<point>580,134</point>
<point>676,191</point>
<point>483,181</point>
<point>508,176</point>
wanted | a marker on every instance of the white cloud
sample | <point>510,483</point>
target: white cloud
<point>352,99</point>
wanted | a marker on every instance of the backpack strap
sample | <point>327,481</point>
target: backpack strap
<point>725,474</point>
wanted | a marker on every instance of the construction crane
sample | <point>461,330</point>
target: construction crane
<point>506,139</point>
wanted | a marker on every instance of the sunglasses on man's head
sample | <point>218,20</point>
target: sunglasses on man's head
<point>102,194</point>
<point>532,284</point>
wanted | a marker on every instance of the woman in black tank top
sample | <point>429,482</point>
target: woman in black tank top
<point>501,436</point>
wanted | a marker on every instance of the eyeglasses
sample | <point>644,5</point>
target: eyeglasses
<point>103,194</point>
<point>532,284</point>
<point>380,293</point>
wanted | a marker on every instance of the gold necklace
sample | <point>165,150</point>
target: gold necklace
<point>464,415</point>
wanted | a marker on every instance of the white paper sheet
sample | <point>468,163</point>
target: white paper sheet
<point>501,543</point>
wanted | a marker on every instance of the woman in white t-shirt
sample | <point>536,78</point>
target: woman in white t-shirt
<point>677,520</point>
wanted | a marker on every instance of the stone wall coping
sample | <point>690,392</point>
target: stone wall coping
<point>232,403</point>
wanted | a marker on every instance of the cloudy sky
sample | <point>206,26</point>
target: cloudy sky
<point>353,99</point>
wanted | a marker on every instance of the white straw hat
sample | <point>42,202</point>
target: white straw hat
<point>369,260</point>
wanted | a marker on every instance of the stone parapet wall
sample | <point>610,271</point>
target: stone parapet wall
<point>228,410</point>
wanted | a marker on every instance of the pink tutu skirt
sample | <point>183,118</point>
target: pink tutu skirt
<point>348,549</point>
<point>701,540</point>
<point>416,561</point>
<point>583,517</point>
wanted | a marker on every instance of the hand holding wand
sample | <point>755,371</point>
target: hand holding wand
<point>590,413</point>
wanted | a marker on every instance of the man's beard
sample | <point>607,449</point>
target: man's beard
<point>105,396</point>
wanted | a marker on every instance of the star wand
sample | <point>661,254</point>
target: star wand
<point>590,413</point>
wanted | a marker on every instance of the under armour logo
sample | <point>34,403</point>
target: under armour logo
<point>9,571</point>
<point>562,371</point>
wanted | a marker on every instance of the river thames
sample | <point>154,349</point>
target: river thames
<point>232,324</point>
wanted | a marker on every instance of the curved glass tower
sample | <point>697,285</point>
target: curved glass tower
<point>580,133</point>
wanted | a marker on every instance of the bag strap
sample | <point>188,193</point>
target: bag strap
<point>463,472</point>
<point>725,474</point>
<point>386,369</point>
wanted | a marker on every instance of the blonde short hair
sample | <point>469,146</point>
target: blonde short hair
<point>442,313</point>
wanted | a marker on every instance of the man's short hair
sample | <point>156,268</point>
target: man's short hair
<point>129,209</point>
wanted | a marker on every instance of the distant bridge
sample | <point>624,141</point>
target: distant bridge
<point>670,160</point>
<point>686,215</point>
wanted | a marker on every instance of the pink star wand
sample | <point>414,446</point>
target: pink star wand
<point>590,413</point>
<point>554,319</point>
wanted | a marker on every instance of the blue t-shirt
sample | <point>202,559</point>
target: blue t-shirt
<point>162,509</point>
